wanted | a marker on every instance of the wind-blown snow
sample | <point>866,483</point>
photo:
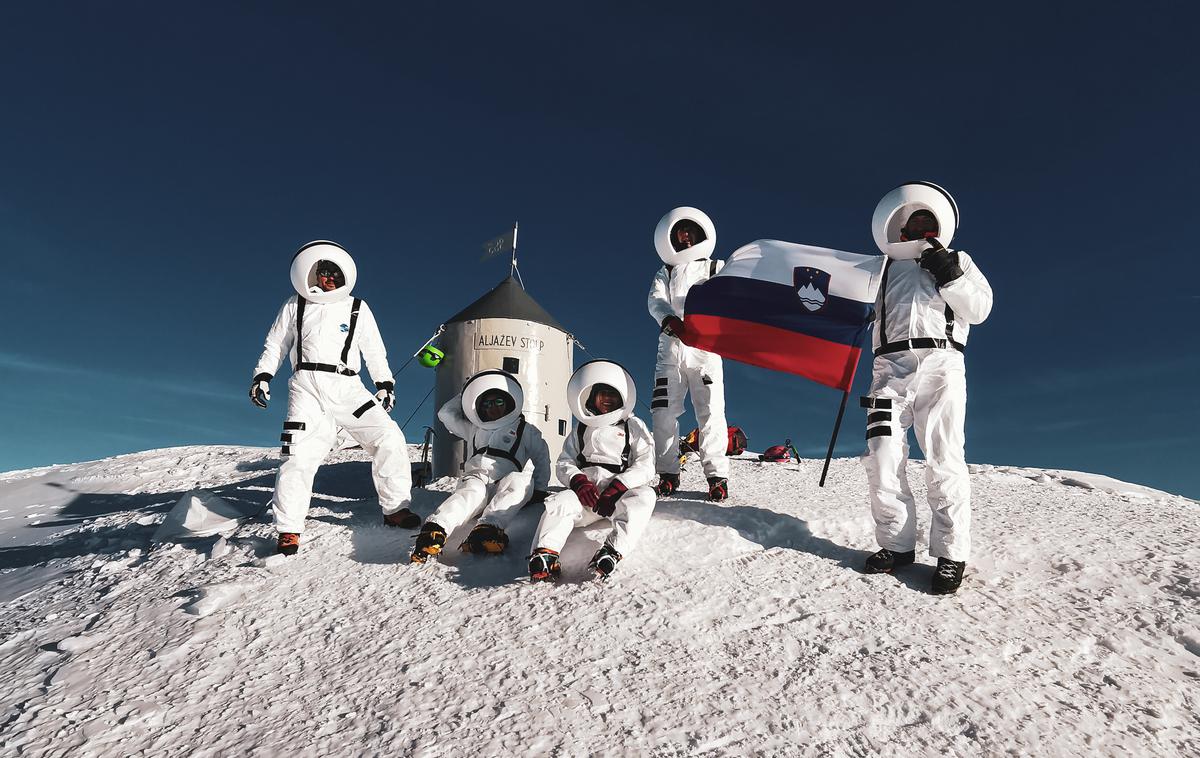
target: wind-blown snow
<point>734,629</point>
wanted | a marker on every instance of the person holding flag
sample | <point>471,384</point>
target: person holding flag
<point>685,239</point>
<point>928,301</point>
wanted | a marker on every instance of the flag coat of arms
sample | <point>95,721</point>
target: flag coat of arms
<point>795,308</point>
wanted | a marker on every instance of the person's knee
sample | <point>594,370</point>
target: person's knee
<point>562,504</point>
<point>637,503</point>
<point>513,483</point>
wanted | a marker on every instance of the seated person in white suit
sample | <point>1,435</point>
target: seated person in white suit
<point>497,481</point>
<point>607,463</point>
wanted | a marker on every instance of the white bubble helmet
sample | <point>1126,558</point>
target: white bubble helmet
<point>492,380</point>
<point>699,251</point>
<point>304,271</point>
<point>895,208</point>
<point>579,389</point>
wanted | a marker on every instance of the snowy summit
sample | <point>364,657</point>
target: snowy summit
<point>739,628</point>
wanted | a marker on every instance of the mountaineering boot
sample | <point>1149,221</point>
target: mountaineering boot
<point>543,565</point>
<point>718,489</point>
<point>430,542</point>
<point>885,561</point>
<point>288,544</point>
<point>604,562</point>
<point>485,538</point>
<point>947,577</point>
<point>403,518</point>
<point>667,485</point>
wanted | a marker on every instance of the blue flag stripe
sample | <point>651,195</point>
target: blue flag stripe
<point>841,320</point>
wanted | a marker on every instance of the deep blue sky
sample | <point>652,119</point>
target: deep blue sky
<point>159,164</point>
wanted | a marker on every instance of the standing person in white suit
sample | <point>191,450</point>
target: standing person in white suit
<point>928,300</point>
<point>685,239</point>
<point>497,479</point>
<point>607,463</point>
<point>324,330</point>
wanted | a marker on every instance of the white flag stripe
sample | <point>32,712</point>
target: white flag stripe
<point>851,275</point>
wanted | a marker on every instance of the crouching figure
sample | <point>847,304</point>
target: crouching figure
<point>496,481</point>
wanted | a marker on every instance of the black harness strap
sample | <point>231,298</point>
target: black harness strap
<point>299,330</point>
<point>917,343</point>
<point>883,302</point>
<point>510,454</point>
<point>582,462</point>
<point>303,365</point>
<point>350,334</point>
<point>326,367</point>
<point>364,408</point>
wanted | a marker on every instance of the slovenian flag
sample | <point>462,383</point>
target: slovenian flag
<point>795,308</point>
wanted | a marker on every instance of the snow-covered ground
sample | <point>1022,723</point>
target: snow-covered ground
<point>736,629</point>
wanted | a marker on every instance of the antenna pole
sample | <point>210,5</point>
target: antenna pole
<point>514,250</point>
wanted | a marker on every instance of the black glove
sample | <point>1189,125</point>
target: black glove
<point>609,497</point>
<point>942,263</point>
<point>260,390</point>
<point>672,326</point>
<point>386,395</point>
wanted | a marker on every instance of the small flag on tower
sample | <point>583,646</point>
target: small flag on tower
<point>502,244</point>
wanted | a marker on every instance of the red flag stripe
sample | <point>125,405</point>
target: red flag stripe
<point>825,362</point>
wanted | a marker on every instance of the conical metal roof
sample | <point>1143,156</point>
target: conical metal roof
<point>508,299</point>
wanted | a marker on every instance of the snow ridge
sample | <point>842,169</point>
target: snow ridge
<point>734,629</point>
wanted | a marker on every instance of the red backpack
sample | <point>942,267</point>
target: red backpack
<point>780,453</point>
<point>736,446</point>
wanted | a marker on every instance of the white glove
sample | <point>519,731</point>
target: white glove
<point>386,395</point>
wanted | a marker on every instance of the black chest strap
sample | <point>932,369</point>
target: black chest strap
<point>886,347</point>
<point>511,453</point>
<point>350,333</point>
<point>887,264</point>
<point>302,365</point>
<point>582,462</point>
<point>300,301</point>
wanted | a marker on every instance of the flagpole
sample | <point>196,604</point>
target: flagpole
<point>833,439</point>
<point>841,410</point>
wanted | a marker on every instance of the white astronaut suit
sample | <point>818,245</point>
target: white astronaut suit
<point>497,479</point>
<point>605,448</point>
<point>919,376</point>
<point>680,369</point>
<point>323,333</point>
